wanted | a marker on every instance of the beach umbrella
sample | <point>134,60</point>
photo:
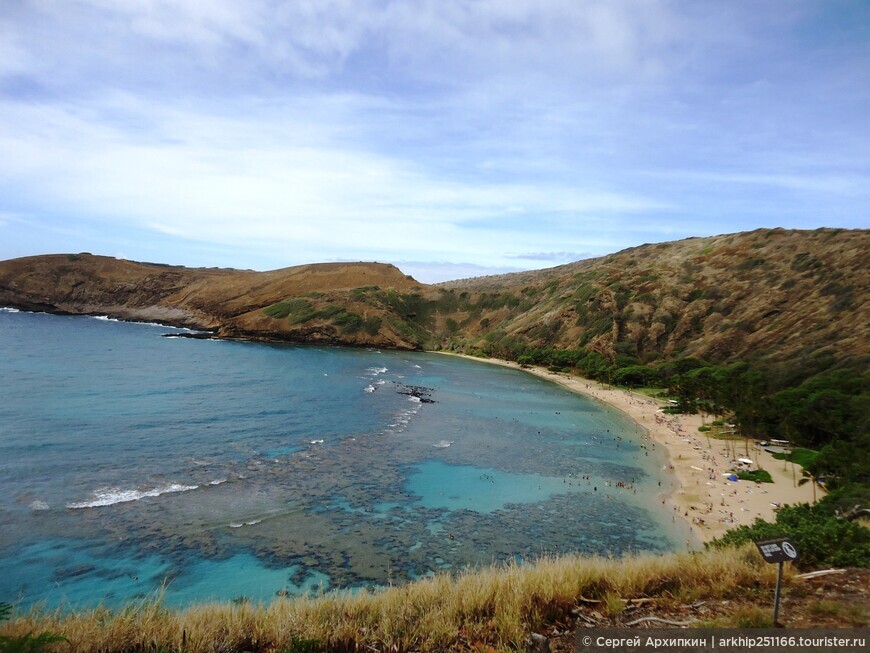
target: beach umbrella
<point>733,477</point>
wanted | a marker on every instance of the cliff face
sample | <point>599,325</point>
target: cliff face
<point>770,294</point>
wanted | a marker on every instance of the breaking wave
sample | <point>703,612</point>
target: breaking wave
<point>111,496</point>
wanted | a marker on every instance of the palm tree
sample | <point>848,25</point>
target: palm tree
<point>807,478</point>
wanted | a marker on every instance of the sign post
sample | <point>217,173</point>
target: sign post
<point>777,550</point>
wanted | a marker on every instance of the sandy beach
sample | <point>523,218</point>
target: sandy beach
<point>705,498</point>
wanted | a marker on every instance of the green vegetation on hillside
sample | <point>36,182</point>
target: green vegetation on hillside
<point>822,539</point>
<point>300,310</point>
<point>297,309</point>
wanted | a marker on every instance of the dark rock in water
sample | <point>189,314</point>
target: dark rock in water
<point>65,573</point>
<point>194,335</point>
<point>421,393</point>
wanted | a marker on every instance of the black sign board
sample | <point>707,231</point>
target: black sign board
<point>777,549</point>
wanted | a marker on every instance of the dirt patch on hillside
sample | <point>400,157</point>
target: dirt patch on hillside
<point>840,600</point>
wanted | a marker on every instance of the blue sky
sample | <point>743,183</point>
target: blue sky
<point>452,138</point>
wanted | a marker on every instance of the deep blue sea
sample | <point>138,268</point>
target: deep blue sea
<point>132,462</point>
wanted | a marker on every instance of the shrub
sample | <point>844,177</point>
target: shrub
<point>750,264</point>
<point>372,325</point>
<point>760,475</point>
<point>298,308</point>
<point>820,538</point>
<point>348,322</point>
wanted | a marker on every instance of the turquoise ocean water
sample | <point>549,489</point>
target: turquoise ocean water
<point>131,462</point>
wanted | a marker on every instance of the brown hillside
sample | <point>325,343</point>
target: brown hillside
<point>768,293</point>
<point>800,296</point>
<point>228,301</point>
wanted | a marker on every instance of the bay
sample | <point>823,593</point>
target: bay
<point>132,463</point>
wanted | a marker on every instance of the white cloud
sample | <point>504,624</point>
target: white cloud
<point>440,130</point>
<point>451,42</point>
<point>492,35</point>
<point>257,180</point>
<point>264,37</point>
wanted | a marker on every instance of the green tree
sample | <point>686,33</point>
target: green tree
<point>821,538</point>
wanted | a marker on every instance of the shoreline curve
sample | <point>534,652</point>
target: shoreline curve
<point>702,496</point>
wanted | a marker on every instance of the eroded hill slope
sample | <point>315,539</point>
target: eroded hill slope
<point>774,294</point>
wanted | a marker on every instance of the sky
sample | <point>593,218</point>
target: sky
<point>452,138</point>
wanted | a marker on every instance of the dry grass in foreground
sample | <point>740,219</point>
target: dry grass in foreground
<point>495,607</point>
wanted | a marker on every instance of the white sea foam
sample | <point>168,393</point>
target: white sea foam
<point>369,388</point>
<point>316,442</point>
<point>39,504</point>
<point>443,444</point>
<point>110,496</point>
<point>376,370</point>
<point>8,309</point>
<point>167,326</point>
<point>237,524</point>
<point>106,318</point>
<point>403,418</point>
<point>416,400</point>
<point>217,481</point>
